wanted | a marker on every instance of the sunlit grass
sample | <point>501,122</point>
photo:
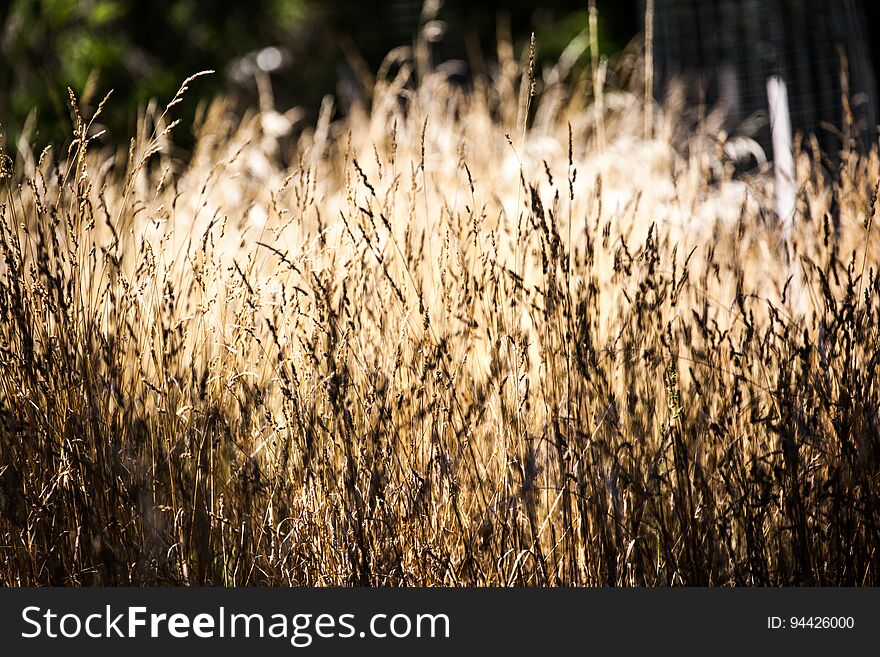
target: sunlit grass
<point>462,340</point>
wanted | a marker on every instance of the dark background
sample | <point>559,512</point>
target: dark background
<point>516,621</point>
<point>143,49</point>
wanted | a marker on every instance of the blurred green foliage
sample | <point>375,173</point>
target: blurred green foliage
<point>139,49</point>
<point>144,49</point>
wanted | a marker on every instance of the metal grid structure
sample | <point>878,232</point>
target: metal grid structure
<point>725,51</point>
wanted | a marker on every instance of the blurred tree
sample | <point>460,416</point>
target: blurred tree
<point>145,49</point>
<point>139,49</point>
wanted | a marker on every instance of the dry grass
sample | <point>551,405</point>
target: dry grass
<point>449,346</point>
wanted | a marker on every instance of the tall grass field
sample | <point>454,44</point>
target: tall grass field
<point>517,332</point>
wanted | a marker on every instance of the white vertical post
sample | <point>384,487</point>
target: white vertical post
<point>786,183</point>
<point>783,151</point>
